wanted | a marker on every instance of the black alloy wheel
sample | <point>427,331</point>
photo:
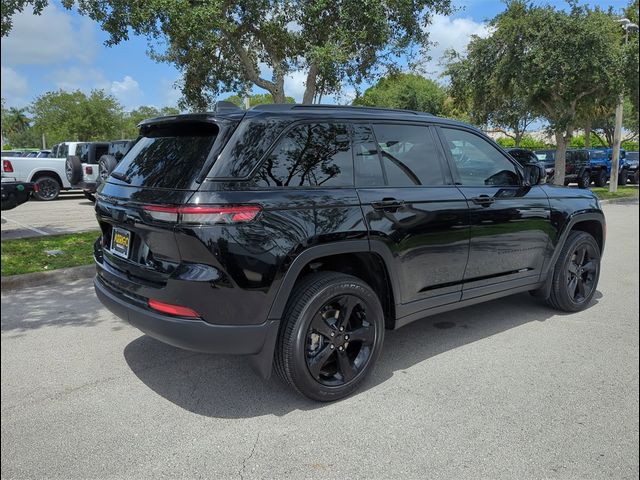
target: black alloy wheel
<point>331,335</point>
<point>339,341</point>
<point>582,271</point>
<point>48,189</point>
<point>576,273</point>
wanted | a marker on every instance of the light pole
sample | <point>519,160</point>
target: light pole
<point>628,25</point>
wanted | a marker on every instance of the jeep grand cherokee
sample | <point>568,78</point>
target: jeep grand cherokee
<point>297,234</point>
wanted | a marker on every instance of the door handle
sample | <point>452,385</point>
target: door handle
<point>484,200</point>
<point>389,204</point>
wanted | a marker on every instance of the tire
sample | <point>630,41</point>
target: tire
<point>106,164</point>
<point>636,177</point>
<point>601,178</point>
<point>89,196</point>
<point>584,180</point>
<point>312,321</point>
<point>576,273</point>
<point>623,177</point>
<point>48,188</point>
<point>73,169</point>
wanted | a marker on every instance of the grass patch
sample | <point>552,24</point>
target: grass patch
<point>27,255</point>
<point>624,191</point>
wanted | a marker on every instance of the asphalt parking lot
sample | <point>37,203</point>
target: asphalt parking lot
<point>70,213</point>
<point>506,389</point>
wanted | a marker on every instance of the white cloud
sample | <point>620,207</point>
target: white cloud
<point>450,33</point>
<point>127,91</point>
<point>294,85</point>
<point>54,36</point>
<point>14,87</point>
<point>169,93</point>
<point>79,78</point>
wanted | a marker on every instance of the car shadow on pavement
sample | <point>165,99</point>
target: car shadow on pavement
<point>226,387</point>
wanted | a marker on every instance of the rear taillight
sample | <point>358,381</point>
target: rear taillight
<point>88,170</point>
<point>6,166</point>
<point>202,214</point>
<point>171,309</point>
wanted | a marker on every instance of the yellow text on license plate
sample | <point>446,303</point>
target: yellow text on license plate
<point>121,240</point>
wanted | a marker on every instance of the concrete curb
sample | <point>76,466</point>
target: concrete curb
<point>620,201</point>
<point>62,275</point>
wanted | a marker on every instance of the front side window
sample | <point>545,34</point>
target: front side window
<point>409,154</point>
<point>310,155</point>
<point>477,161</point>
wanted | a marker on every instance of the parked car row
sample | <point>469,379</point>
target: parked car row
<point>68,165</point>
<point>583,166</point>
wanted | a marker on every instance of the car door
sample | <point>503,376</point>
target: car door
<point>510,224</point>
<point>416,216</point>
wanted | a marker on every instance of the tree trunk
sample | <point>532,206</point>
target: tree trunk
<point>587,135</point>
<point>310,86</point>
<point>561,157</point>
<point>518,138</point>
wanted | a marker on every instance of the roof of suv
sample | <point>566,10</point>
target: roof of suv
<point>300,111</point>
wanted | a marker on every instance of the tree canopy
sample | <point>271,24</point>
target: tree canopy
<point>405,90</point>
<point>226,46</point>
<point>554,63</point>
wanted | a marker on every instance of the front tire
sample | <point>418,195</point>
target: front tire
<point>623,177</point>
<point>584,180</point>
<point>576,273</point>
<point>331,336</point>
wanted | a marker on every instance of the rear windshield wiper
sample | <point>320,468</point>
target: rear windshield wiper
<point>121,176</point>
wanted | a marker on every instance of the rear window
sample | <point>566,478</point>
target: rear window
<point>168,156</point>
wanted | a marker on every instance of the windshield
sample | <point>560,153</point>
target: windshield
<point>632,156</point>
<point>167,156</point>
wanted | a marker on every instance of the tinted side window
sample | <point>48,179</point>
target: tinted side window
<point>409,155</point>
<point>310,155</point>
<point>478,162</point>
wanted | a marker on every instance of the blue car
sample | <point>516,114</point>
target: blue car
<point>600,161</point>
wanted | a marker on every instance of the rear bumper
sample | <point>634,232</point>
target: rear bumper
<point>195,335</point>
<point>86,186</point>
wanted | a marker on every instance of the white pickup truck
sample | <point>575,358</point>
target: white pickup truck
<point>47,173</point>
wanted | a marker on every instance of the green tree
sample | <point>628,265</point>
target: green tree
<point>65,116</point>
<point>474,89</point>
<point>256,99</point>
<point>134,117</point>
<point>556,62</point>
<point>225,46</point>
<point>407,91</point>
<point>11,7</point>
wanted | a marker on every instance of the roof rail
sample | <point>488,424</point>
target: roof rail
<point>322,106</point>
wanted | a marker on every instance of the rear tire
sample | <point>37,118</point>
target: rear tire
<point>601,178</point>
<point>73,169</point>
<point>331,336</point>
<point>106,164</point>
<point>576,273</point>
<point>48,188</point>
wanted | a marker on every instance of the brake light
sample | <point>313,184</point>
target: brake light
<point>197,214</point>
<point>6,166</point>
<point>88,170</point>
<point>171,309</point>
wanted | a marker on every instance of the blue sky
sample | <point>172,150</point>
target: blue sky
<point>60,49</point>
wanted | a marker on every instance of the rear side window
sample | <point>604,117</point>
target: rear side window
<point>310,155</point>
<point>168,156</point>
<point>410,156</point>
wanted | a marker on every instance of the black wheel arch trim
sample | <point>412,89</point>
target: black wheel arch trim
<point>326,249</point>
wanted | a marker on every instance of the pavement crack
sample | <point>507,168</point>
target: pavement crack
<point>245,460</point>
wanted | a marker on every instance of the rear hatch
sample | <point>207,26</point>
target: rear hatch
<point>161,171</point>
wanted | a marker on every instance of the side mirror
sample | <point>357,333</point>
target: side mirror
<point>535,174</point>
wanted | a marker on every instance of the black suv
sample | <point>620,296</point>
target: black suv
<point>577,166</point>
<point>298,234</point>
